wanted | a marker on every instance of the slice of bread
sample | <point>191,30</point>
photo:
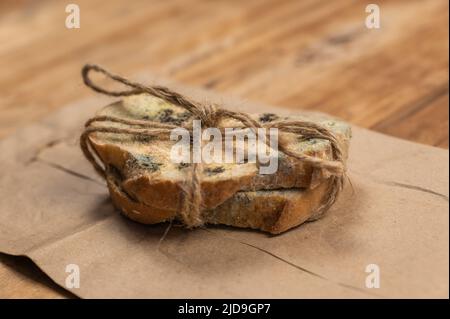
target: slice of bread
<point>149,177</point>
<point>273,211</point>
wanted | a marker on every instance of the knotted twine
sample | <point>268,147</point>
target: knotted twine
<point>209,115</point>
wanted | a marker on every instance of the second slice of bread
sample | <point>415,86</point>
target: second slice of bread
<point>273,211</point>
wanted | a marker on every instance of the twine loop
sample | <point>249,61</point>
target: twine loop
<point>209,115</point>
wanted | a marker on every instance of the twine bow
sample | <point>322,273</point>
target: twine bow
<point>209,115</point>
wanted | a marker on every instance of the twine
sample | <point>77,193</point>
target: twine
<point>209,115</point>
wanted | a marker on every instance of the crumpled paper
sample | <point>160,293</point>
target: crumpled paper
<point>394,215</point>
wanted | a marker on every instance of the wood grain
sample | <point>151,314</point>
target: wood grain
<point>309,54</point>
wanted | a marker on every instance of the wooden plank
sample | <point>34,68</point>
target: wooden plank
<point>426,123</point>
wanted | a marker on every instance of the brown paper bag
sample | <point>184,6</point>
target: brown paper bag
<point>55,210</point>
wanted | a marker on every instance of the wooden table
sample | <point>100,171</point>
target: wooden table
<point>314,55</point>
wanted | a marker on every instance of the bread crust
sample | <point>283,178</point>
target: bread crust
<point>162,188</point>
<point>147,186</point>
<point>273,211</point>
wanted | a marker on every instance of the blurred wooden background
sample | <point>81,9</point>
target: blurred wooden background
<point>308,54</point>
